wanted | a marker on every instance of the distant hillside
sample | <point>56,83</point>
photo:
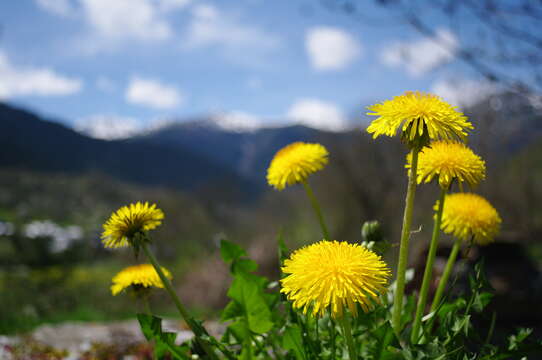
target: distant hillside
<point>504,124</point>
<point>31,143</point>
<point>246,153</point>
<point>199,153</point>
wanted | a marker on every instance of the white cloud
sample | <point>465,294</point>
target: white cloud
<point>126,19</point>
<point>57,7</point>
<point>331,48</point>
<point>463,92</point>
<point>153,93</point>
<point>113,22</point>
<point>318,114</point>
<point>209,27</point>
<point>168,5</point>
<point>422,56</point>
<point>18,81</point>
<point>108,126</point>
<point>237,121</point>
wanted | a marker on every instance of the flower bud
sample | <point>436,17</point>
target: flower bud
<point>371,231</point>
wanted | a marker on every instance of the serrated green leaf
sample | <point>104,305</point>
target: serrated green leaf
<point>293,340</point>
<point>385,336</point>
<point>240,331</point>
<point>230,251</point>
<point>151,326</point>
<point>246,291</point>
<point>407,354</point>
<point>166,345</point>
<point>481,300</point>
<point>243,266</point>
<point>231,311</point>
<point>462,323</point>
<point>164,342</point>
<point>514,341</point>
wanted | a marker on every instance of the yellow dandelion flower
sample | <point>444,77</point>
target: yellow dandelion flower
<point>334,275</point>
<point>449,160</point>
<point>419,115</point>
<point>294,163</point>
<point>129,220</point>
<point>138,276</point>
<point>467,215</point>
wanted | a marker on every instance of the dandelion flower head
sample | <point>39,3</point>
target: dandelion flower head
<point>129,220</point>
<point>294,163</point>
<point>144,276</point>
<point>467,215</point>
<point>334,275</point>
<point>449,160</point>
<point>419,115</point>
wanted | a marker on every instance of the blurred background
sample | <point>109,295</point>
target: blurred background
<point>183,103</point>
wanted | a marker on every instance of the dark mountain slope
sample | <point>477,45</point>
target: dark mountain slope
<point>28,142</point>
<point>247,153</point>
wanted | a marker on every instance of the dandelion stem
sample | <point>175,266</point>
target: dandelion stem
<point>196,328</point>
<point>446,274</point>
<point>317,209</point>
<point>333,337</point>
<point>422,300</point>
<point>146,305</point>
<point>405,237</point>
<point>347,332</point>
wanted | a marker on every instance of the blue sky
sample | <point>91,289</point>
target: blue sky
<point>114,67</point>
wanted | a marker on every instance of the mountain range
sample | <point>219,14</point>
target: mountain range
<point>32,143</point>
<point>185,156</point>
<point>193,154</point>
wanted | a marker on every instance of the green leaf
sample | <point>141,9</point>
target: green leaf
<point>166,345</point>
<point>408,311</point>
<point>481,300</point>
<point>246,353</point>
<point>243,266</point>
<point>240,331</point>
<point>293,340</point>
<point>514,341</point>
<point>407,354</point>
<point>249,294</point>
<point>231,311</point>
<point>282,248</point>
<point>164,342</point>
<point>462,323</point>
<point>385,336</point>
<point>151,326</point>
<point>230,251</point>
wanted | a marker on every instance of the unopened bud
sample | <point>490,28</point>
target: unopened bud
<point>371,231</point>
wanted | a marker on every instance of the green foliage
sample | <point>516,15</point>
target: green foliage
<point>293,340</point>
<point>73,285</point>
<point>261,324</point>
<point>231,252</point>
<point>164,342</point>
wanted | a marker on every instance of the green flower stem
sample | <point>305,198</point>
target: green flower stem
<point>446,275</point>
<point>316,332</point>
<point>316,207</point>
<point>147,305</point>
<point>422,299</point>
<point>347,332</point>
<point>196,328</point>
<point>333,337</point>
<point>405,237</point>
